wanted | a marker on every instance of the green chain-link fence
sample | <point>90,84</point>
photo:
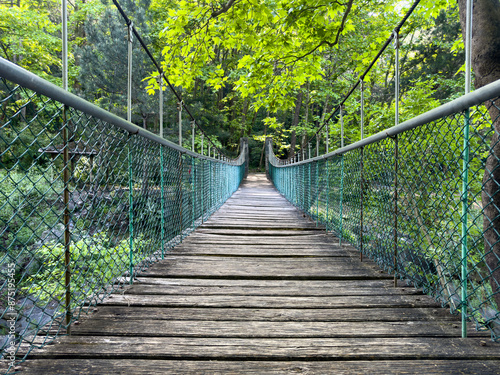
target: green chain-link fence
<point>84,206</point>
<point>398,197</point>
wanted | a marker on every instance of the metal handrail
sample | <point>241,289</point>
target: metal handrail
<point>458,105</point>
<point>22,77</point>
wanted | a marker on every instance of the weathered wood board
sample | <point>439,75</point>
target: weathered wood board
<point>153,367</point>
<point>259,289</point>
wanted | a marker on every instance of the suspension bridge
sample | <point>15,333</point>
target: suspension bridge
<point>121,251</point>
<point>259,288</point>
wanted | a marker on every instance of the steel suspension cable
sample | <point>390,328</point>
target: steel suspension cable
<point>367,70</point>
<point>128,21</point>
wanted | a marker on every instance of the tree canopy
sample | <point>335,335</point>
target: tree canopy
<point>247,68</point>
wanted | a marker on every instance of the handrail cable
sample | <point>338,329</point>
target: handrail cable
<point>129,23</point>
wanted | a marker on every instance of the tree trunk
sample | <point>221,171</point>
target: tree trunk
<point>295,122</point>
<point>326,109</point>
<point>306,120</point>
<point>486,65</point>
<point>293,142</point>
<point>243,125</point>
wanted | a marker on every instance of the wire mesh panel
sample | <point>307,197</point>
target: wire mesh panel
<point>351,197</point>
<point>423,201</point>
<point>378,202</point>
<point>84,206</point>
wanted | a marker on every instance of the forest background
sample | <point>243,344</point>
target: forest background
<point>249,68</point>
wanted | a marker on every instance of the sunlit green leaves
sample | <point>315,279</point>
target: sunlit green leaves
<point>273,46</point>
<point>28,38</point>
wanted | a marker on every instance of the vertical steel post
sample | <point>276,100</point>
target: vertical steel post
<point>67,234</point>
<point>162,198</point>
<point>302,194</point>
<point>361,205</point>
<point>309,149</point>
<point>396,79</point>
<point>362,109</point>
<point>192,135</point>
<point>317,193</point>
<point>210,183</point>
<point>129,118</point>
<point>342,126</point>
<point>66,175</point>
<point>317,143</point>
<point>465,172</point>
<point>162,172</point>
<point>309,203</point>
<point>130,210</point>
<point>362,166</point>
<point>202,189</point>
<point>341,198</point>
<point>161,104</point>
<point>129,73</point>
<point>64,14</point>
<point>181,197</point>
<point>396,155</point>
<point>193,189</point>
<point>341,172</point>
<point>327,193</point>
<point>179,108</point>
<point>465,211</point>
<point>396,171</point>
<point>202,144</point>
<point>468,46</point>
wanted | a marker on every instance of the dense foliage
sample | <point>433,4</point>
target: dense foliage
<point>246,68</point>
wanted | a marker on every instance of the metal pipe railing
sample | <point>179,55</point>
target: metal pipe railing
<point>461,104</point>
<point>88,200</point>
<point>24,78</point>
<point>418,199</point>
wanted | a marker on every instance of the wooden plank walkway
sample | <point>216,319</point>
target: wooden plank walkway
<point>258,289</point>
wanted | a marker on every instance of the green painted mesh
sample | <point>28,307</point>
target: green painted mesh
<point>130,200</point>
<point>354,196</point>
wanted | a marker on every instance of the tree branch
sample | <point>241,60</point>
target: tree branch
<point>224,9</point>
<point>337,37</point>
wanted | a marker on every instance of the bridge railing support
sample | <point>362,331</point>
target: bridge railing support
<point>91,200</point>
<point>418,198</point>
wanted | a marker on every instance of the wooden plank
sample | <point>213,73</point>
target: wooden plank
<point>231,290</point>
<point>278,241</point>
<point>263,329</point>
<point>276,238</point>
<point>298,263</point>
<point>270,233</point>
<point>234,267</point>
<point>308,285</point>
<point>249,245</point>
<point>270,301</point>
<point>153,367</point>
<point>237,241</point>
<point>265,272</point>
<point>269,226</point>
<point>292,250</point>
<point>269,349</point>
<point>373,314</point>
